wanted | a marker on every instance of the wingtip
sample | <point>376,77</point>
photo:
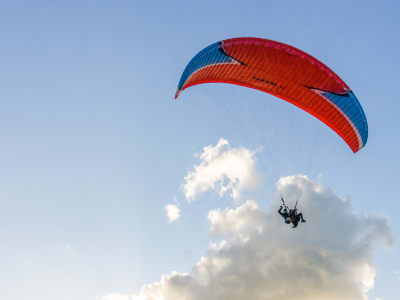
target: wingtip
<point>177,94</point>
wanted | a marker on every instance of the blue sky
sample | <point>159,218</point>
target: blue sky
<point>94,146</point>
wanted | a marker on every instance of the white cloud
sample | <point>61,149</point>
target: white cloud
<point>260,257</point>
<point>243,219</point>
<point>223,169</point>
<point>173,212</point>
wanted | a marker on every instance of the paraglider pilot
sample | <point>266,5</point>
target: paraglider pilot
<point>284,214</point>
<point>290,216</point>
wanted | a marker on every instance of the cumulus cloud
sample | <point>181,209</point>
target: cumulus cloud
<point>173,212</point>
<point>223,169</point>
<point>243,219</point>
<point>258,256</point>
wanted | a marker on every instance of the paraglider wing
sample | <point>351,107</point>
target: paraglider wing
<point>286,72</point>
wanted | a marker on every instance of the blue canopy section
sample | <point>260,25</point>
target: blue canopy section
<point>210,55</point>
<point>349,105</point>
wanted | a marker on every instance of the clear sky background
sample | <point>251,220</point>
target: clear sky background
<point>93,146</point>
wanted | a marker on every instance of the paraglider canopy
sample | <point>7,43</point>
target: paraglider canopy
<point>286,72</point>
